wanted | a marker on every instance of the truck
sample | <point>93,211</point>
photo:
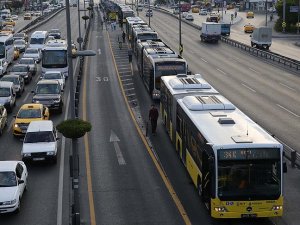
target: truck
<point>225,29</point>
<point>210,32</point>
<point>261,37</point>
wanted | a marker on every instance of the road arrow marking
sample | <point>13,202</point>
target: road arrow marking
<point>114,138</point>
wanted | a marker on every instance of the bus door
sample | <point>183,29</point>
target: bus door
<point>184,142</point>
<point>207,174</point>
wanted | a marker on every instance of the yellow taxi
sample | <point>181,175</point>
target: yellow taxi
<point>16,53</point>
<point>8,29</point>
<point>195,9</point>
<point>26,114</point>
<point>9,21</point>
<point>250,14</point>
<point>27,16</point>
<point>248,28</point>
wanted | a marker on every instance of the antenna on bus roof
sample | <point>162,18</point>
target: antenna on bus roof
<point>247,129</point>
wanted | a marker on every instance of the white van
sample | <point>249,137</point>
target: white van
<point>5,13</point>
<point>38,39</point>
<point>40,142</point>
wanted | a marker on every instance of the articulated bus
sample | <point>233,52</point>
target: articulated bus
<point>236,166</point>
<point>126,12</point>
<point>7,47</point>
<point>176,87</point>
<point>141,44</point>
<point>142,34</point>
<point>159,62</point>
<point>55,57</point>
<point>130,22</point>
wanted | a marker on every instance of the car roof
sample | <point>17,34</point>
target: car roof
<point>48,82</point>
<point>43,125</point>
<point>53,71</point>
<point>31,106</point>
<point>20,65</point>
<point>8,165</point>
<point>6,84</point>
<point>11,75</point>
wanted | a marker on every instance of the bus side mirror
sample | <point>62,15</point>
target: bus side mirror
<point>284,167</point>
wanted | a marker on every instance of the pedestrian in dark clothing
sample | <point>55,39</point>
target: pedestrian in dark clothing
<point>153,116</point>
<point>130,55</point>
<point>123,36</point>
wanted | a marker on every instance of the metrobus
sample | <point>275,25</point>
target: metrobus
<point>142,34</point>
<point>139,7</point>
<point>236,166</point>
<point>130,22</point>
<point>141,44</point>
<point>126,12</point>
<point>159,62</point>
<point>7,47</point>
<point>55,57</point>
<point>176,87</point>
<point>38,39</point>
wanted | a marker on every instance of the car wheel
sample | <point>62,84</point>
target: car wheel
<point>1,131</point>
<point>54,160</point>
<point>19,207</point>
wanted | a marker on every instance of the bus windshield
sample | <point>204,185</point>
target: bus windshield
<point>38,41</point>
<point>2,50</point>
<point>55,59</point>
<point>169,68</point>
<point>249,179</point>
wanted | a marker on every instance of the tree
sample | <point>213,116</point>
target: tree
<point>74,128</point>
<point>17,5</point>
<point>291,18</point>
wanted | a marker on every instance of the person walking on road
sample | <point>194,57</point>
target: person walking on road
<point>153,116</point>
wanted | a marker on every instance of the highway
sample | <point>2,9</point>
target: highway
<point>41,202</point>
<point>121,180</point>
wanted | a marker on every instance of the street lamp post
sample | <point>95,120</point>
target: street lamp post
<point>149,12</point>
<point>283,16</point>
<point>266,6</point>
<point>298,24</point>
<point>79,40</point>
<point>180,44</point>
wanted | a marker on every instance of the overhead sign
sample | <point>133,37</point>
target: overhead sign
<point>294,8</point>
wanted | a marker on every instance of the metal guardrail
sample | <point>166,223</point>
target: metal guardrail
<point>284,61</point>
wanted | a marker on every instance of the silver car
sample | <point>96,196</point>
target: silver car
<point>33,53</point>
<point>55,75</point>
<point>20,44</point>
<point>18,82</point>
<point>31,63</point>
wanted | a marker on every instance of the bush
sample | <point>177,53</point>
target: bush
<point>74,128</point>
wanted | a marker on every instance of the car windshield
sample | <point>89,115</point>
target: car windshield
<point>47,89</point>
<point>29,113</point>
<point>26,61</point>
<point>8,179</point>
<point>20,69</point>
<point>19,42</point>
<point>38,41</point>
<point>4,92</point>
<point>41,136</point>
<point>15,80</point>
<point>19,35</point>
<point>50,76</point>
<point>31,51</point>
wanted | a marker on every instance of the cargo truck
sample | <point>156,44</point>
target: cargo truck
<point>210,32</point>
<point>261,37</point>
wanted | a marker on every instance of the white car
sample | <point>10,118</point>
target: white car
<point>33,53</point>
<point>189,17</point>
<point>203,12</point>
<point>55,75</point>
<point>13,181</point>
<point>183,14</point>
<point>14,17</point>
<point>3,66</point>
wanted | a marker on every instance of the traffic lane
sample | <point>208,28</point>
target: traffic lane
<point>221,62</point>
<point>129,191</point>
<point>42,176</point>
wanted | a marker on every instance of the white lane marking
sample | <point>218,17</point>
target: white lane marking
<point>10,125</point>
<point>25,99</point>
<point>61,167</point>
<point>251,89</point>
<point>128,84</point>
<point>125,80</point>
<point>114,138</point>
<point>99,51</point>
<point>203,60</point>
<point>255,71</point>
<point>221,71</point>
<point>294,114</point>
<point>287,86</point>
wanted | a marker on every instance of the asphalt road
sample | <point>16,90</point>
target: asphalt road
<point>40,203</point>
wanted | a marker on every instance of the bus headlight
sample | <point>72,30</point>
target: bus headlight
<point>277,207</point>
<point>156,94</point>
<point>220,209</point>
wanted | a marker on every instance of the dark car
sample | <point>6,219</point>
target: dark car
<point>22,70</point>
<point>31,63</point>
<point>50,94</point>
<point>55,33</point>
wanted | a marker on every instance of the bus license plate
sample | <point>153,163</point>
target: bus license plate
<point>249,215</point>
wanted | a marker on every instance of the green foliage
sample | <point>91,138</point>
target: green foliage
<point>17,4</point>
<point>291,18</point>
<point>74,128</point>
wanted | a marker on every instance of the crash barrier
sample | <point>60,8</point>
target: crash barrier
<point>40,21</point>
<point>281,60</point>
